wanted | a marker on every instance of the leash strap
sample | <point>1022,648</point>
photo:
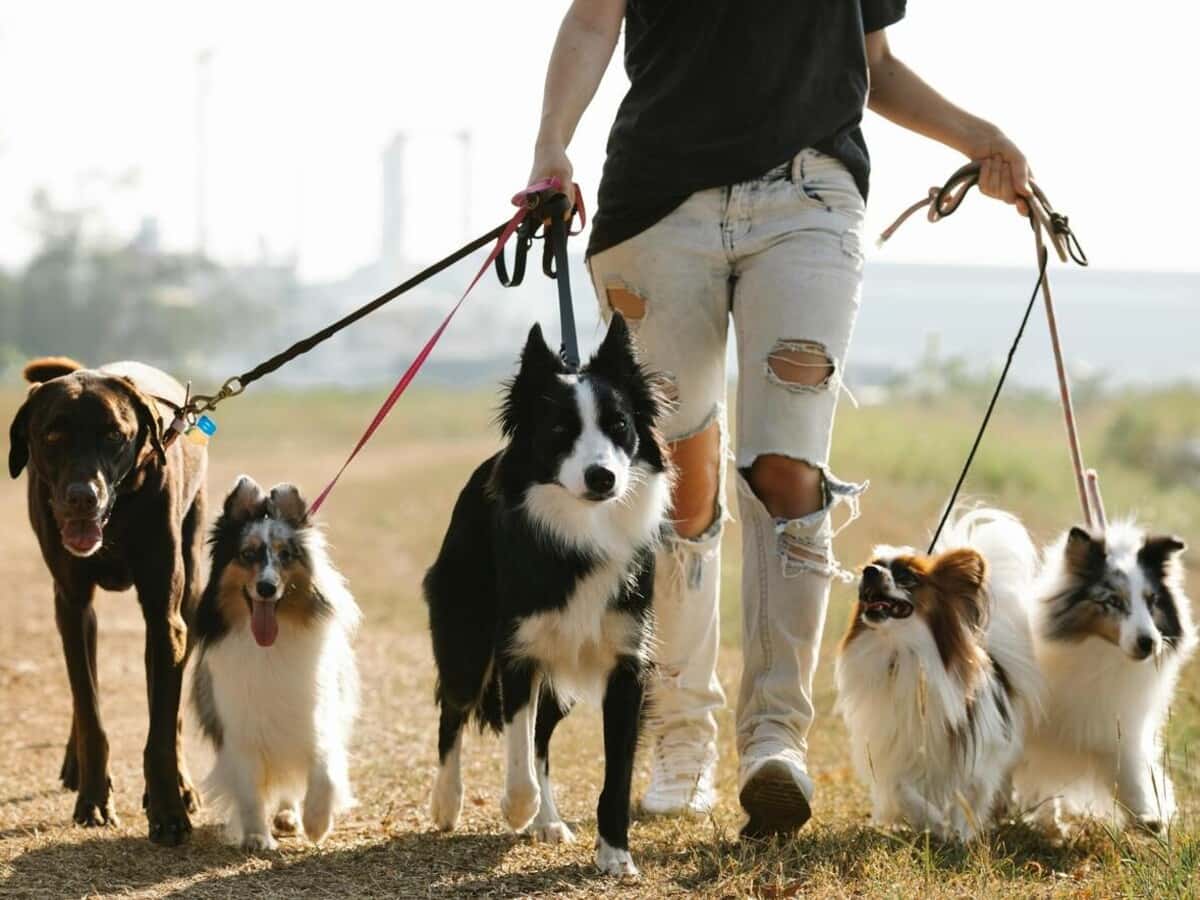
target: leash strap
<point>530,201</point>
<point>505,232</point>
<point>1044,220</point>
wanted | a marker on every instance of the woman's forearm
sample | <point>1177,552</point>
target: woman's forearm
<point>581,53</point>
<point>900,95</point>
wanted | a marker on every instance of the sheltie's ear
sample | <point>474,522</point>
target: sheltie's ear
<point>246,501</point>
<point>538,364</point>
<point>959,576</point>
<point>1084,555</point>
<point>286,503</point>
<point>1158,550</point>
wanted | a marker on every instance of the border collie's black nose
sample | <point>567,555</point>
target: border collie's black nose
<point>1145,645</point>
<point>598,479</point>
<point>266,589</point>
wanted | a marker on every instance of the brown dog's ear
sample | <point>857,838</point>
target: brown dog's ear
<point>18,438</point>
<point>960,575</point>
<point>149,424</point>
<point>246,500</point>
<point>286,503</point>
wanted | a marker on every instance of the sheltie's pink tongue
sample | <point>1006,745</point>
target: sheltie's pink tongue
<point>263,622</point>
<point>82,535</point>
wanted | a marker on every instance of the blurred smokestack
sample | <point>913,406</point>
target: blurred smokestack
<point>464,139</point>
<point>391,250</point>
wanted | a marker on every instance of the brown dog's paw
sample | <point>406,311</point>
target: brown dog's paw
<point>169,829</point>
<point>95,814</point>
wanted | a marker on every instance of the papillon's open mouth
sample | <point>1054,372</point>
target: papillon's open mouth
<point>882,608</point>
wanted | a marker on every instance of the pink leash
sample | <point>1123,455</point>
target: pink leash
<point>525,201</point>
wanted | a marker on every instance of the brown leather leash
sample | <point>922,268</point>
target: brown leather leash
<point>1049,227</point>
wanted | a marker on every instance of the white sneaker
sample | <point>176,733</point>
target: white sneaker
<point>775,791</point>
<point>683,769</point>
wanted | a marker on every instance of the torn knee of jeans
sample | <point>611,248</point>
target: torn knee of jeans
<point>802,366</point>
<point>697,457</point>
<point>805,545</point>
<point>623,300</point>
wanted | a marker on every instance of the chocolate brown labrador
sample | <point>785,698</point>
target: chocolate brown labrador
<point>113,509</point>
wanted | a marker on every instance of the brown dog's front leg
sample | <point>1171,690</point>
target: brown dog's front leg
<point>166,656</point>
<point>76,618</point>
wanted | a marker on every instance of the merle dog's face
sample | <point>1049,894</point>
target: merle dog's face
<point>83,434</point>
<point>1121,591</point>
<point>587,432</point>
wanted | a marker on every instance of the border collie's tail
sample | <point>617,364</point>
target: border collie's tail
<point>41,370</point>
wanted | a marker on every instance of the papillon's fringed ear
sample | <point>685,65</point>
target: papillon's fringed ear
<point>286,503</point>
<point>246,501</point>
<point>538,363</point>
<point>960,575</point>
<point>1158,550</point>
<point>1084,555</point>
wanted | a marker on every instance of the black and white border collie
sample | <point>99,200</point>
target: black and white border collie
<point>541,593</point>
<point>275,685</point>
<point>1112,630</point>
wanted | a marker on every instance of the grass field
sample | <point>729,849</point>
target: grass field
<point>385,521</point>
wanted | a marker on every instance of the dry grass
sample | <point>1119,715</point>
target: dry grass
<point>385,521</point>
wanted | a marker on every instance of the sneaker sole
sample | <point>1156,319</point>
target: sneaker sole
<point>774,802</point>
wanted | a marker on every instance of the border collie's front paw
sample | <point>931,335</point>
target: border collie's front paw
<point>520,804</point>
<point>552,833</point>
<point>258,843</point>
<point>445,802</point>
<point>614,861</point>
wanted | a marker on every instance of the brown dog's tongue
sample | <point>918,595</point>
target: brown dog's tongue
<point>263,622</point>
<point>82,535</point>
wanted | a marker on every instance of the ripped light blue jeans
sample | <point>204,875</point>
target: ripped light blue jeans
<point>781,256</point>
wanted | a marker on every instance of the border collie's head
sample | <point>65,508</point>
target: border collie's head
<point>1125,587</point>
<point>263,549</point>
<point>589,432</point>
<point>901,590</point>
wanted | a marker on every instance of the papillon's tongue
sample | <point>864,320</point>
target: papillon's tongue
<point>82,535</point>
<point>263,622</point>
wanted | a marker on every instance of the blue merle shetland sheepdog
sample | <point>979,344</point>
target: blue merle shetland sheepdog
<point>275,685</point>
<point>541,594</point>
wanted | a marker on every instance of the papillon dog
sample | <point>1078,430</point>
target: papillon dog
<point>1112,630</point>
<point>275,686</point>
<point>541,593</point>
<point>936,675</point>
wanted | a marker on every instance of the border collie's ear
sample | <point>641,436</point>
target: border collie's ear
<point>538,363</point>
<point>960,575</point>
<point>1157,550</point>
<point>615,358</point>
<point>18,437</point>
<point>246,500</point>
<point>1084,555</point>
<point>149,424</point>
<point>287,504</point>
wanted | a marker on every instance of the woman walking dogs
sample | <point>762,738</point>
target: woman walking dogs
<point>734,188</point>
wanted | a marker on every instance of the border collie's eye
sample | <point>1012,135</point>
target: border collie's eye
<point>619,428</point>
<point>559,429</point>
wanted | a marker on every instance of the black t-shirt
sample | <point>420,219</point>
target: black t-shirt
<point>722,91</point>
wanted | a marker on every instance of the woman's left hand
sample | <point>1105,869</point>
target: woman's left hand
<point>1004,171</point>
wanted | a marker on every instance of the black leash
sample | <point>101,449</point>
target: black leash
<point>944,201</point>
<point>551,222</point>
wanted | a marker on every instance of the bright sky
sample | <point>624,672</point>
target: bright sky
<point>305,95</point>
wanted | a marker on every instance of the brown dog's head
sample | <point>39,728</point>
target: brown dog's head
<point>82,433</point>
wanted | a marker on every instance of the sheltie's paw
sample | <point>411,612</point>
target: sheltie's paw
<point>445,803</point>
<point>287,821</point>
<point>258,843</point>
<point>613,861</point>
<point>552,833</point>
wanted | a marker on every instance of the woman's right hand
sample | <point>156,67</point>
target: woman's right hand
<point>550,161</point>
